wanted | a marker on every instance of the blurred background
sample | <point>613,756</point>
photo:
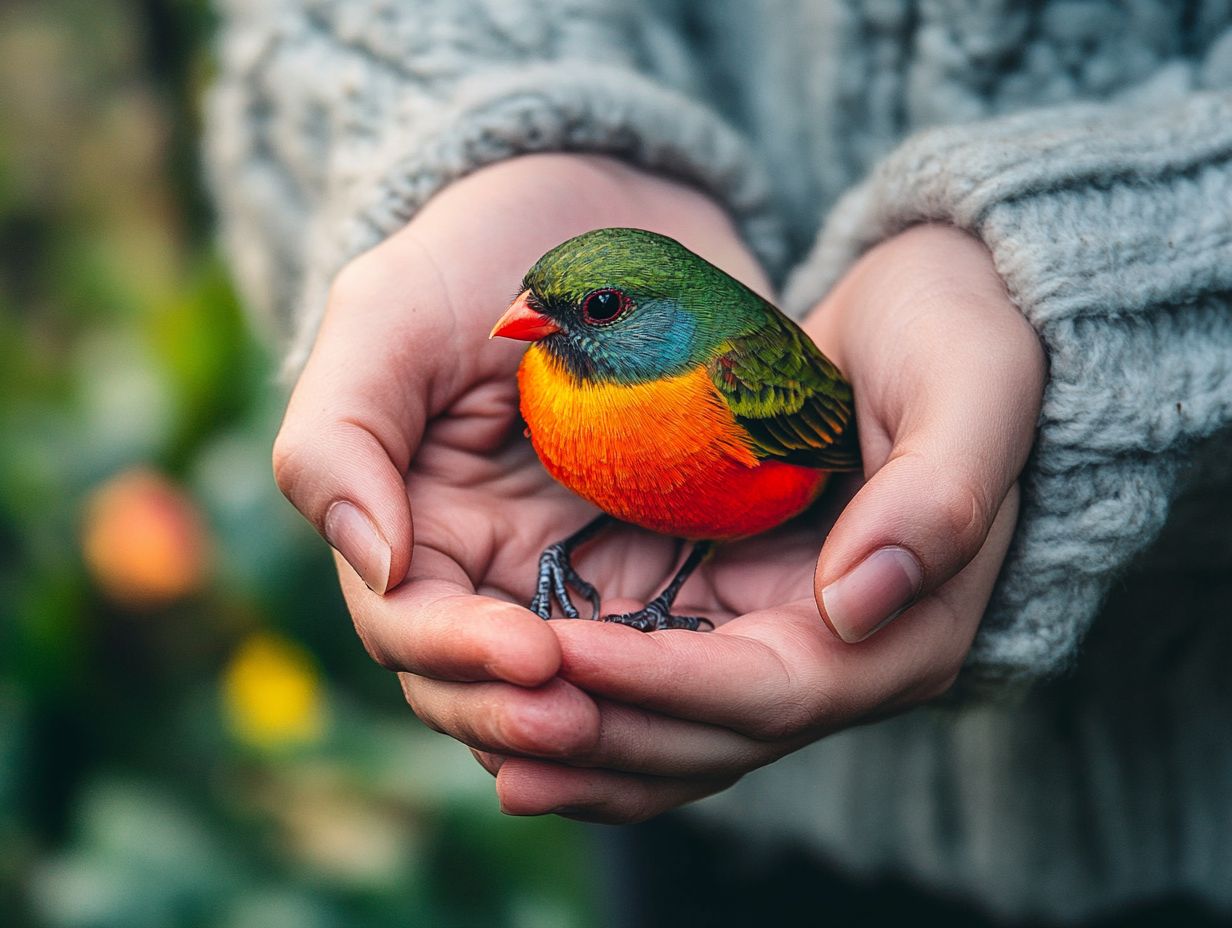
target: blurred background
<point>190,732</point>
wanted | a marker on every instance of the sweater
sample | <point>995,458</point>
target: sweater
<point>1086,760</point>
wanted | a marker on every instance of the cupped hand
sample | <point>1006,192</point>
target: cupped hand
<point>402,442</point>
<point>948,379</point>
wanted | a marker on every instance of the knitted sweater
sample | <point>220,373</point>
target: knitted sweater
<point>1087,143</point>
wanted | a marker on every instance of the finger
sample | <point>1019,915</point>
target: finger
<point>357,413</point>
<point>919,657</point>
<point>434,625</point>
<point>633,740</point>
<point>910,528</point>
<point>535,787</point>
<point>721,678</point>
<point>950,380</point>
<point>553,720</point>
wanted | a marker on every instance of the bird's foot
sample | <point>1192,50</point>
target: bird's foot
<point>556,575</point>
<point>657,616</point>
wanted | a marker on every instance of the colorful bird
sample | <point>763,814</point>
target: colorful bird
<point>673,397</point>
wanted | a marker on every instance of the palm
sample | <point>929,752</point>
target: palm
<point>482,500</point>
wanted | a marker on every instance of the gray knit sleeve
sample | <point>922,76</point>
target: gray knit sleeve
<point>1112,228</point>
<point>333,121</point>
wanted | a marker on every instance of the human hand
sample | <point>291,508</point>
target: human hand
<point>948,379</point>
<point>405,406</point>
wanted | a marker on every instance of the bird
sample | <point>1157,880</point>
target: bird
<point>673,397</point>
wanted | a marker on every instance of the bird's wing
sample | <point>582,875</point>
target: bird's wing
<point>786,394</point>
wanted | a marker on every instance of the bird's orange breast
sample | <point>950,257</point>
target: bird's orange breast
<point>667,455</point>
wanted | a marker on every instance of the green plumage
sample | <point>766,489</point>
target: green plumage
<point>685,312</point>
<point>788,396</point>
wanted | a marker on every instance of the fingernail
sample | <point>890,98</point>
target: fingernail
<point>357,540</point>
<point>873,593</point>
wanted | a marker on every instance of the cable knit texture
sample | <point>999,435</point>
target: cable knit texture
<point>1103,229</point>
<point>1088,144</point>
<point>343,118</point>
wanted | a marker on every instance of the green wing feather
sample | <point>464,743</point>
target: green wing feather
<point>788,396</point>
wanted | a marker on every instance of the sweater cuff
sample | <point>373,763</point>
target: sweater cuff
<point>1112,231</point>
<point>533,109</point>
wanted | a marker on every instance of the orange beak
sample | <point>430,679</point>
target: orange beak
<point>522,322</point>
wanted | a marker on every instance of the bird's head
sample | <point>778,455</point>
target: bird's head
<point>626,305</point>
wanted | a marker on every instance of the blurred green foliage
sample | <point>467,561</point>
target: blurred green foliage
<point>151,776</point>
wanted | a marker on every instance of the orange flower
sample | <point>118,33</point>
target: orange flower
<point>144,540</point>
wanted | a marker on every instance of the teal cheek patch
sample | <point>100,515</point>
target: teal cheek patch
<point>657,343</point>
<point>672,348</point>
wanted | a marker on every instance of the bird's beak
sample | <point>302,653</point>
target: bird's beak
<point>522,322</point>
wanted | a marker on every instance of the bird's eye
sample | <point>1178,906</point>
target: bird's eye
<point>603,306</point>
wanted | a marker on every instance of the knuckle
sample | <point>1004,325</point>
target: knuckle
<point>964,514</point>
<point>288,463</point>
<point>352,283</point>
<point>510,728</point>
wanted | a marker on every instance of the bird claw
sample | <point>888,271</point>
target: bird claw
<point>556,575</point>
<point>655,617</point>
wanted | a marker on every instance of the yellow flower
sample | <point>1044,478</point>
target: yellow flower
<point>272,693</point>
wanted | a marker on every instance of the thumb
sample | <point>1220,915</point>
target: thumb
<point>948,380</point>
<point>915,524</point>
<point>353,423</point>
<point>954,438</point>
<point>338,473</point>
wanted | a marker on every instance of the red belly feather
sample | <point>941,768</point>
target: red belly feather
<point>666,455</point>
